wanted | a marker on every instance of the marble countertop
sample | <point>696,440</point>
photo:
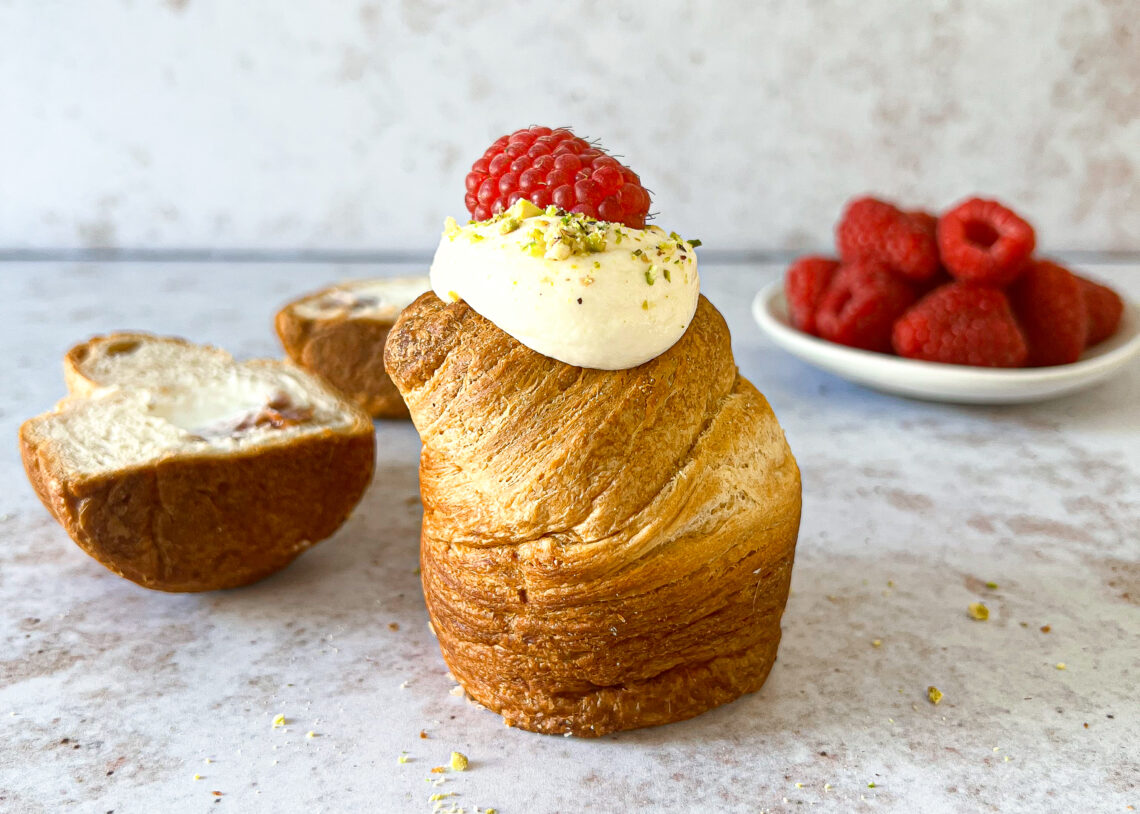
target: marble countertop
<point>114,698</point>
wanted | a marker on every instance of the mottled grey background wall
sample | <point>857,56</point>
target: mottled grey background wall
<point>349,126</point>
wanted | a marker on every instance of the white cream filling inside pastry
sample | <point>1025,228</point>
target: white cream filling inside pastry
<point>379,298</point>
<point>585,292</point>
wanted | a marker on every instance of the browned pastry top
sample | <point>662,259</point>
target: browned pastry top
<point>520,445</point>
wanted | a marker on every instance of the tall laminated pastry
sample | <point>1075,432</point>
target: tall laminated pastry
<point>602,549</point>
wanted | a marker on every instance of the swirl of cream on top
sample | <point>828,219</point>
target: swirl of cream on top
<point>585,292</point>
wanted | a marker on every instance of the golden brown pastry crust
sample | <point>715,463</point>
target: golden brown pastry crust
<point>204,523</point>
<point>198,521</point>
<point>601,550</point>
<point>346,351</point>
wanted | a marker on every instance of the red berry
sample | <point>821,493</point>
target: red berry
<point>1104,308</point>
<point>1049,304</point>
<point>861,305</point>
<point>871,229</point>
<point>554,166</point>
<point>961,324</point>
<point>925,221</point>
<point>804,285</point>
<point>984,242</point>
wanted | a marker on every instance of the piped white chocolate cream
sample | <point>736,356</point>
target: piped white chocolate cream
<point>586,292</point>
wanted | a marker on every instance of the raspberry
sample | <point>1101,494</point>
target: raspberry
<point>871,229</point>
<point>806,281</point>
<point>1104,308</point>
<point>555,167</point>
<point>861,304</point>
<point>926,221</point>
<point>1050,306</point>
<point>962,324</point>
<point>983,242</point>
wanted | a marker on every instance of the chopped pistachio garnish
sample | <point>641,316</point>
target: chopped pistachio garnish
<point>522,208</point>
<point>978,611</point>
<point>559,234</point>
<point>649,275</point>
<point>993,586</point>
<point>559,249</point>
<point>645,305</point>
<point>934,694</point>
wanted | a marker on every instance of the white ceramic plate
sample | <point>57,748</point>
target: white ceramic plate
<point>954,383</point>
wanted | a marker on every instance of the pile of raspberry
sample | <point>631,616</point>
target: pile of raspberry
<point>964,289</point>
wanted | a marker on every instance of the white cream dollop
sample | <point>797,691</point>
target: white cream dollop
<point>588,293</point>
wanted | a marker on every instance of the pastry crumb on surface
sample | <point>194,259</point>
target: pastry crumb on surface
<point>993,586</point>
<point>459,761</point>
<point>402,759</point>
<point>310,734</point>
<point>1062,666</point>
<point>279,719</point>
<point>934,694</point>
<point>876,642</point>
<point>197,777</point>
<point>438,769</point>
<point>423,734</point>
<point>1046,628</point>
<point>457,691</point>
<point>393,626</point>
<point>978,611</point>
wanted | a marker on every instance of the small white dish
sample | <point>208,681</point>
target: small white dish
<point>933,381</point>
